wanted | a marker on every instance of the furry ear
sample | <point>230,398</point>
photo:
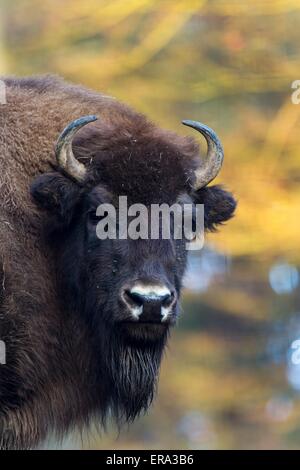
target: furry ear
<point>56,194</point>
<point>219,205</point>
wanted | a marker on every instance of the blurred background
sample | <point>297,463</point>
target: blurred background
<point>228,379</point>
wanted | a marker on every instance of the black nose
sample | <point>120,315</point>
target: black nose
<point>150,304</point>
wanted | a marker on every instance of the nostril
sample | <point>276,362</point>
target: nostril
<point>168,299</point>
<point>133,298</point>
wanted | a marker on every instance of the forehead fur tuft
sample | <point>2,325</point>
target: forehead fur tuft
<point>135,158</point>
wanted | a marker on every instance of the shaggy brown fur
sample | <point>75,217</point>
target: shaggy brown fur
<point>49,382</point>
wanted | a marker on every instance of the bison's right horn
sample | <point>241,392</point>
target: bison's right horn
<point>211,166</point>
<point>64,153</point>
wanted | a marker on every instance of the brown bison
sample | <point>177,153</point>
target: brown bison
<point>85,321</point>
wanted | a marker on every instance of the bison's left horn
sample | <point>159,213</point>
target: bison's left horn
<point>64,153</point>
<point>215,154</point>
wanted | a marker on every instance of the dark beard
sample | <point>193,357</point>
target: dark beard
<point>133,368</point>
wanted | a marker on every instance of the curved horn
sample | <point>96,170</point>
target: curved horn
<point>215,154</point>
<point>64,153</point>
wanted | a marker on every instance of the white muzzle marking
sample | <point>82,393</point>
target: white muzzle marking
<point>165,313</point>
<point>136,311</point>
<point>152,292</point>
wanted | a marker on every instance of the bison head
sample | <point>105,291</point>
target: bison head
<point>126,290</point>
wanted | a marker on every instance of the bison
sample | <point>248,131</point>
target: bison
<point>76,349</point>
